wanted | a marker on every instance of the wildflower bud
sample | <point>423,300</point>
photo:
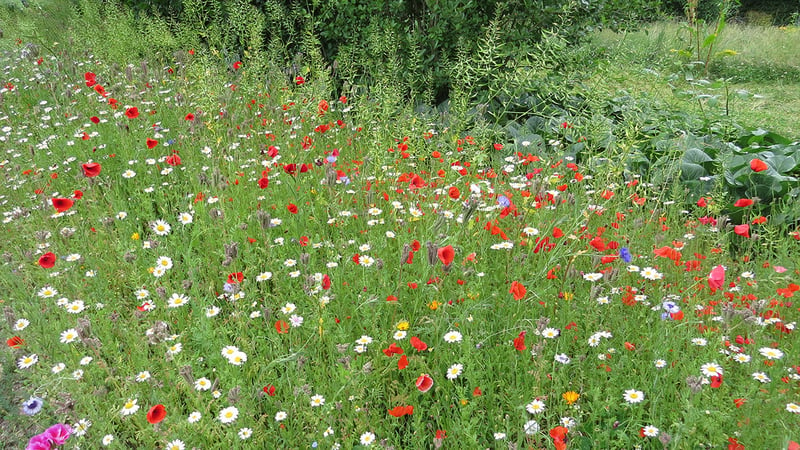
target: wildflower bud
<point>186,284</point>
<point>378,263</point>
<point>67,232</point>
<point>107,221</point>
<point>8,313</point>
<point>42,235</point>
<point>186,373</point>
<point>129,257</point>
<point>695,383</point>
<point>161,291</point>
<point>542,323</point>
<point>304,258</point>
<point>330,176</point>
<point>233,395</point>
<point>264,219</point>
<point>129,73</point>
<point>92,343</point>
<point>242,226</point>
<point>664,438</point>
<point>405,254</point>
<point>203,179</point>
<point>151,244</point>
<point>468,209</point>
<point>433,256</point>
<point>367,368</point>
<point>227,262</point>
<point>231,250</point>
<point>215,213</point>
<point>84,328</point>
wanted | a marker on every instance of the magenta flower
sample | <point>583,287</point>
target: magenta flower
<point>58,433</point>
<point>39,442</point>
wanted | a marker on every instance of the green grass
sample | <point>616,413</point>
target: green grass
<point>321,276</point>
<point>764,70</point>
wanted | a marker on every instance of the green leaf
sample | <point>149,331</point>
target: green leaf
<point>782,164</point>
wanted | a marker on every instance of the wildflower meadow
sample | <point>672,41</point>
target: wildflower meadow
<point>196,258</point>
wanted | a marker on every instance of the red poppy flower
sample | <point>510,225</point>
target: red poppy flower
<point>189,117</point>
<point>743,202</point>
<point>454,193</point>
<point>292,208</point>
<point>263,182</point>
<point>100,90</point>
<point>517,290</point>
<point>326,282</point>
<point>739,402</point>
<point>559,435</point>
<point>62,204</point>
<point>151,143</point>
<point>424,382</point>
<point>132,112</point>
<point>281,327</point>
<point>418,344</point>
<point>47,260</point>
<point>519,342</point>
<point>91,169</point>
<point>742,230</point>
<point>299,80</point>
<point>90,78</point>
<point>15,342</point>
<point>402,363</point>
<point>290,169</point>
<point>716,278</point>
<point>173,160</point>
<point>235,278</point>
<point>477,392</point>
<point>269,390</point>
<point>757,165</point>
<point>716,381</point>
<point>156,414</point>
<point>77,194</point>
<point>557,233</point>
<point>446,254</point>
<point>94,119</point>
<point>237,65</point>
<point>400,411</point>
<point>393,349</point>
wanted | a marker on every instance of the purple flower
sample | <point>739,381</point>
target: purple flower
<point>503,201</point>
<point>625,254</point>
<point>39,442</point>
<point>58,433</point>
<point>32,406</point>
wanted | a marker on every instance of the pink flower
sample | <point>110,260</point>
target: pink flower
<point>716,278</point>
<point>39,442</point>
<point>58,433</point>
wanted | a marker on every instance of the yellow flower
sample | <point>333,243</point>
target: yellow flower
<point>464,402</point>
<point>151,269</point>
<point>434,305</point>
<point>403,325</point>
<point>570,397</point>
<point>135,236</point>
<point>568,296</point>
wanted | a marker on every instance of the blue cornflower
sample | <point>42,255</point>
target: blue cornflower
<point>32,406</point>
<point>503,201</point>
<point>625,254</point>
